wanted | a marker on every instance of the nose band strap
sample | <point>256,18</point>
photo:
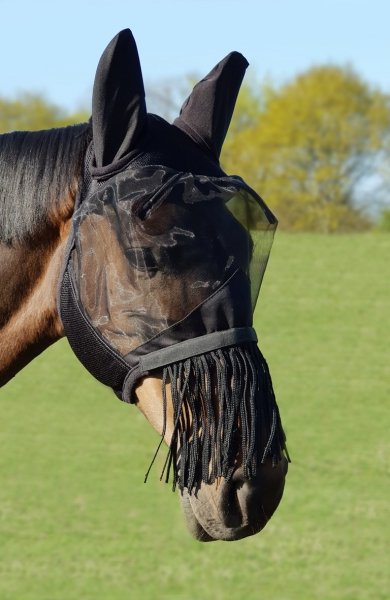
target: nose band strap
<point>196,346</point>
<point>186,349</point>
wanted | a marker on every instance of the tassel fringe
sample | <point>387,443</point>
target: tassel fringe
<point>224,410</point>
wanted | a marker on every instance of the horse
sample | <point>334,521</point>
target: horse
<point>230,488</point>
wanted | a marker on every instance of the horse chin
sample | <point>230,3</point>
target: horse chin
<point>234,509</point>
<point>225,510</point>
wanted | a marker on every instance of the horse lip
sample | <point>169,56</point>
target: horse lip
<point>232,531</point>
<point>193,525</point>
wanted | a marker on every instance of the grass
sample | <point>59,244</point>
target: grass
<point>77,522</point>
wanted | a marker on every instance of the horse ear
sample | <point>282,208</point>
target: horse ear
<point>118,102</point>
<point>206,114</point>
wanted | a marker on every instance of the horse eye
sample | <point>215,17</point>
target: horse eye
<point>142,259</point>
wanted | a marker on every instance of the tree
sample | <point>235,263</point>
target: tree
<point>384,220</point>
<point>33,112</point>
<point>311,144</point>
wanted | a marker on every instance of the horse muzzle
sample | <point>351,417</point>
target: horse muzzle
<point>234,509</point>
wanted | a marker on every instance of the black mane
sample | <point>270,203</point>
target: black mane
<point>38,169</point>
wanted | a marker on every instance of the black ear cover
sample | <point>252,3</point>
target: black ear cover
<point>118,103</point>
<point>206,114</point>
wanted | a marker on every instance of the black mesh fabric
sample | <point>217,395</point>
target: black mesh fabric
<point>162,256</point>
<point>97,356</point>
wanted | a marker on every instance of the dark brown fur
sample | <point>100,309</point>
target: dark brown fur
<point>29,320</point>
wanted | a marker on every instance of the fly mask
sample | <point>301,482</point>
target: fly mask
<point>164,267</point>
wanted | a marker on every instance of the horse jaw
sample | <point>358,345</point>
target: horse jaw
<point>225,510</point>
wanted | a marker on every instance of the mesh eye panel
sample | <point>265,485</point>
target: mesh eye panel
<point>153,244</point>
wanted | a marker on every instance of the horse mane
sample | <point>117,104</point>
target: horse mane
<point>39,171</point>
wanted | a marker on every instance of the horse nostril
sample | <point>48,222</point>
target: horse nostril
<point>232,512</point>
<point>257,499</point>
<point>238,478</point>
<point>240,500</point>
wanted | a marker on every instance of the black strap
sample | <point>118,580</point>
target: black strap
<point>195,347</point>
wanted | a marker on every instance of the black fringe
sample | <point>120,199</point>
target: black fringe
<point>209,436</point>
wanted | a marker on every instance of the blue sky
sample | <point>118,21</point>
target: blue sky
<point>53,48</point>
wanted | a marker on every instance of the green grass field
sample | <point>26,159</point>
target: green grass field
<point>78,523</point>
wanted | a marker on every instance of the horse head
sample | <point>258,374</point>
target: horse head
<point>160,277</point>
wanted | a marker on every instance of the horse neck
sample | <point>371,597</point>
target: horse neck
<point>40,175</point>
<point>29,320</point>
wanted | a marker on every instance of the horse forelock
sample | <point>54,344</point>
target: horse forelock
<point>40,174</point>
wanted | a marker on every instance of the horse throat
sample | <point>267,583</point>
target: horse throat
<point>29,321</point>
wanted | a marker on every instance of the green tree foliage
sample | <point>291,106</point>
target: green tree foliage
<point>33,112</point>
<point>384,220</point>
<point>308,145</point>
